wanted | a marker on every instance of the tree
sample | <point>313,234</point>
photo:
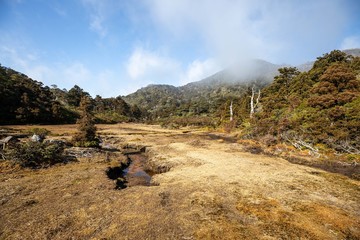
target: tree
<point>231,111</point>
<point>284,79</point>
<point>277,96</point>
<point>337,86</point>
<point>322,63</point>
<point>74,96</point>
<point>24,100</point>
<point>252,105</point>
<point>135,112</point>
<point>86,135</point>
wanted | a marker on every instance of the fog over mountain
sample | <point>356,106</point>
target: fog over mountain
<point>228,83</point>
<point>255,70</point>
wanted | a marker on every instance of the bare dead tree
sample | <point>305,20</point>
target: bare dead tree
<point>231,111</point>
<point>252,105</point>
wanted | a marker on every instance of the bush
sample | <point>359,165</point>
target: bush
<point>42,132</point>
<point>86,136</point>
<point>229,126</point>
<point>268,140</point>
<point>35,154</point>
<point>94,143</point>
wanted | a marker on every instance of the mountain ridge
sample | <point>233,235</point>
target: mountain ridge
<point>206,96</point>
<point>264,70</point>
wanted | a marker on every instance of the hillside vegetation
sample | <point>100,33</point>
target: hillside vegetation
<point>24,100</point>
<point>205,99</point>
<point>318,106</point>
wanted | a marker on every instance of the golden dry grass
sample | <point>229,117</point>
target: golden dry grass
<point>212,190</point>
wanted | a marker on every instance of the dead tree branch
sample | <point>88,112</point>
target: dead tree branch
<point>300,144</point>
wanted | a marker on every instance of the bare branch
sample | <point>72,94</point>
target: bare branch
<point>298,143</point>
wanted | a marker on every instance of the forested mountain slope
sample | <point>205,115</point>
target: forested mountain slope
<point>320,106</point>
<point>212,96</point>
<point>204,97</point>
<point>24,100</point>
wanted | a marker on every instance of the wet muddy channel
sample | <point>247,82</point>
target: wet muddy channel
<point>134,173</point>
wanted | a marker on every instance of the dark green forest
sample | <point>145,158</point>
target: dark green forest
<point>27,101</point>
<point>318,106</point>
<point>24,100</point>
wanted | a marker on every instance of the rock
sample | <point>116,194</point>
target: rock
<point>36,138</point>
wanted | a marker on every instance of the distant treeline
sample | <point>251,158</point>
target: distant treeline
<point>27,101</point>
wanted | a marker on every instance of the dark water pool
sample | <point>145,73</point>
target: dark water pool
<point>136,173</point>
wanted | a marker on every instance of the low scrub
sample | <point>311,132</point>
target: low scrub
<point>35,154</point>
<point>197,121</point>
<point>42,132</point>
<point>230,126</point>
<point>94,143</point>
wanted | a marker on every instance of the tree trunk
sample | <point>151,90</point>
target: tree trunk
<point>252,105</point>
<point>231,111</point>
<point>252,110</point>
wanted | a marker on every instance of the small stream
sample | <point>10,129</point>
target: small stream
<point>132,174</point>
<point>136,174</point>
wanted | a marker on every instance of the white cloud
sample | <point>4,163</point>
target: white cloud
<point>142,61</point>
<point>350,42</point>
<point>151,66</point>
<point>64,75</point>
<point>104,82</point>
<point>97,25</point>
<point>235,30</point>
<point>39,72</point>
<point>25,62</point>
<point>199,70</point>
<point>143,67</point>
<point>59,10</point>
<point>75,73</point>
<point>99,12</point>
<point>13,56</point>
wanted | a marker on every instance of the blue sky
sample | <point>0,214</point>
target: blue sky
<point>114,47</point>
